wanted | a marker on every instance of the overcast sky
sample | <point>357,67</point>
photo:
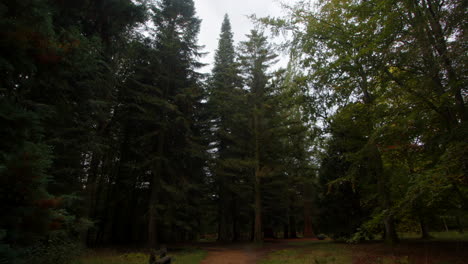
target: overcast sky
<point>212,13</point>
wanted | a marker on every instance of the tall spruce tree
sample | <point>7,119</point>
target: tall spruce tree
<point>256,56</point>
<point>290,141</point>
<point>174,149</point>
<point>225,99</point>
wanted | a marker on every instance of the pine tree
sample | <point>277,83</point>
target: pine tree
<point>256,56</point>
<point>225,99</point>
<point>174,145</point>
<point>24,161</point>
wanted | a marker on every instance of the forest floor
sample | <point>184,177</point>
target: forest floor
<point>306,251</point>
<point>247,253</point>
<point>446,248</point>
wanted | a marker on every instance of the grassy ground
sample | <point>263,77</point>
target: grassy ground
<point>408,252</point>
<point>188,256</point>
<point>325,253</point>
<point>442,236</point>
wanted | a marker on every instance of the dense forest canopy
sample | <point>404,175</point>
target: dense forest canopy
<point>111,135</point>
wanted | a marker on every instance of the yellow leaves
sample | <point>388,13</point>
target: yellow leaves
<point>393,69</point>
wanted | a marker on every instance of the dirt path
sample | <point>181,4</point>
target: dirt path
<point>230,256</point>
<point>242,253</point>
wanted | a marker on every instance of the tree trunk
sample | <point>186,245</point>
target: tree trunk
<point>286,225</point>
<point>153,203</point>
<point>424,228</point>
<point>258,198</point>
<point>445,224</point>
<point>376,168</point>
<point>152,224</point>
<point>391,236</point>
<point>308,203</point>
<point>235,221</point>
<point>258,212</point>
<point>224,225</point>
<point>105,224</point>
<point>459,224</point>
<point>130,226</point>
<point>292,224</point>
<point>308,230</point>
<point>252,228</point>
<point>91,187</point>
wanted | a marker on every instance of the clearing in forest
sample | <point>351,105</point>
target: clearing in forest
<point>247,253</point>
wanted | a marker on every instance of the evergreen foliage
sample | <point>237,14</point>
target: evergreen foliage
<point>110,135</point>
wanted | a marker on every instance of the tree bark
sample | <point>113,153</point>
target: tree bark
<point>391,236</point>
<point>91,187</point>
<point>376,168</point>
<point>308,203</point>
<point>292,224</point>
<point>258,237</point>
<point>424,228</point>
<point>286,225</point>
<point>153,203</point>
<point>224,223</point>
<point>459,224</point>
<point>445,224</point>
<point>286,231</point>
<point>308,230</point>
<point>235,221</point>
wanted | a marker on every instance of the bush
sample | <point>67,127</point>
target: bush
<point>56,250</point>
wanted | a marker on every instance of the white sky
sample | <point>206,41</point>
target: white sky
<point>212,13</point>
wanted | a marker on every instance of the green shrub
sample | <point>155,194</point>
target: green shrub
<point>56,250</point>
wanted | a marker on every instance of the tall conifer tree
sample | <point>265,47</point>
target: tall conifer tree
<point>256,58</point>
<point>225,99</point>
<point>177,28</point>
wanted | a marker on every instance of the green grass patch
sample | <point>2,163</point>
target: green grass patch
<point>189,256</point>
<point>442,236</point>
<point>193,256</point>
<point>326,252</point>
<point>310,252</point>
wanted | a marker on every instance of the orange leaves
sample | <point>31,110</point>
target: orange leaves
<point>44,49</point>
<point>49,203</point>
